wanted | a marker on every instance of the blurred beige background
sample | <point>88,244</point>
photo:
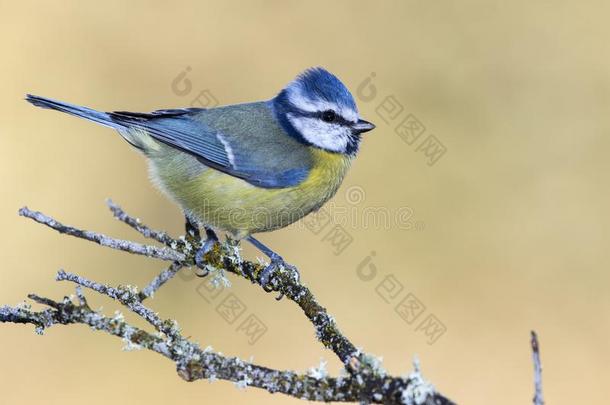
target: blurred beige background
<point>510,226</point>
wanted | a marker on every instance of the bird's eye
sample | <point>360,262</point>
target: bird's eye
<point>328,116</point>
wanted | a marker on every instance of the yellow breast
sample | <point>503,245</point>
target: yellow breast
<point>327,174</point>
<point>232,204</point>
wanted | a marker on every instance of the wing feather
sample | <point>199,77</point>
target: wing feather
<point>243,141</point>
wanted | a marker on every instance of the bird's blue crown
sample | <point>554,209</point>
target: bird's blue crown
<point>319,83</point>
<point>304,108</point>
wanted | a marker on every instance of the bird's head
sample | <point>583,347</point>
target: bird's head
<point>318,110</point>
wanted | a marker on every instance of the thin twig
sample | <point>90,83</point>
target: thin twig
<point>538,398</point>
<point>121,215</point>
<point>161,279</point>
<point>119,244</point>
<point>126,295</point>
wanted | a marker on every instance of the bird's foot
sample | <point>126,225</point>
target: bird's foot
<point>206,246</point>
<point>276,265</point>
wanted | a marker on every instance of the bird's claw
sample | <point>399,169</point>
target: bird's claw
<point>247,271</point>
<point>206,246</point>
<point>277,262</point>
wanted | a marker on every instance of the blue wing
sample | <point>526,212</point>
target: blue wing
<point>243,140</point>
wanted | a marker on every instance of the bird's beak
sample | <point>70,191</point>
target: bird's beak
<point>362,126</point>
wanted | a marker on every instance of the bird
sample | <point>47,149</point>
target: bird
<point>245,168</point>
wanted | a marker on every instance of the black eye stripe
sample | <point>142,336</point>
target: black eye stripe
<point>338,118</point>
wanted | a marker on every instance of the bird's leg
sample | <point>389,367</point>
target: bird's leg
<point>206,245</point>
<point>276,262</point>
<point>192,231</point>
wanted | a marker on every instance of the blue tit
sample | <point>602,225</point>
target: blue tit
<point>246,168</point>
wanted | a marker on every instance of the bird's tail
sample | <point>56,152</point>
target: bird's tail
<point>136,137</point>
<point>83,112</point>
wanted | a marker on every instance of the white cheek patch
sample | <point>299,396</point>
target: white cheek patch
<point>327,136</point>
<point>296,98</point>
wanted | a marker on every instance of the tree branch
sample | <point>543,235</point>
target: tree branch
<point>119,244</point>
<point>538,398</point>
<point>161,279</point>
<point>364,381</point>
<point>159,236</point>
